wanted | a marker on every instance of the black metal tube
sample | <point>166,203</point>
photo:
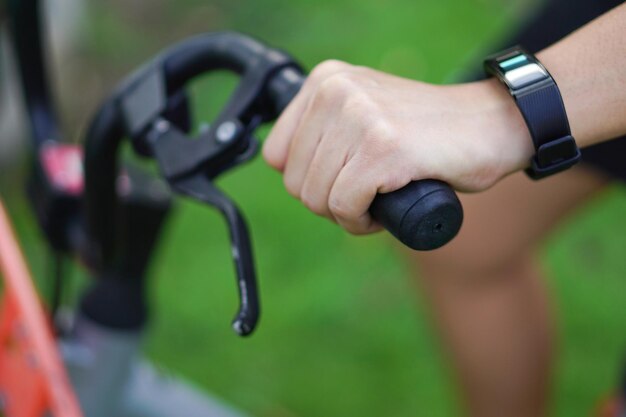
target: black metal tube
<point>101,203</point>
<point>25,22</point>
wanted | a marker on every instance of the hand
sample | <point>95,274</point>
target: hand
<point>353,132</point>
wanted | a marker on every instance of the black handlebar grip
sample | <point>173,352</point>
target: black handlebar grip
<point>424,215</point>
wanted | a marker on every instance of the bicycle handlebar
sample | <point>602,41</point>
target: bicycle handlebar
<point>175,67</point>
<point>144,107</point>
<point>423,215</point>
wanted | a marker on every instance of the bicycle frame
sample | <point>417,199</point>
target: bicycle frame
<point>32,378</point>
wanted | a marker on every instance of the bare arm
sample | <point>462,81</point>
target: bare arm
<point>590,68</point>
<point>353,132</point>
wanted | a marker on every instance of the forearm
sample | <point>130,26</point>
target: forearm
<point>590,68</point>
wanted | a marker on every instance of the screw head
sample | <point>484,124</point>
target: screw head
<point>162,125</point>
<point>226,132</point>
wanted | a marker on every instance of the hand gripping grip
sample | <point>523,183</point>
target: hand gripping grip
<point>424,215</point>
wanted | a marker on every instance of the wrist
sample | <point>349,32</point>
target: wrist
<point>505,129</point>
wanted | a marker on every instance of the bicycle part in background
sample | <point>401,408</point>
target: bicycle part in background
<point>32,378</point>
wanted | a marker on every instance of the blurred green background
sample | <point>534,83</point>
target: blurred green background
<point>343,331</point>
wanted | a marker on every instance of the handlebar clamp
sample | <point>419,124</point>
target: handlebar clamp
<point>147,108</point>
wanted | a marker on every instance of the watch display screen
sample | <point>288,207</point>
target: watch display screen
<point>520,72</point>
<point>510,64</point>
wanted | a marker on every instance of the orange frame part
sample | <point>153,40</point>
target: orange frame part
<point>33,381</point>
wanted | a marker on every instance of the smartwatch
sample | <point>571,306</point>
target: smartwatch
<point>536,94</point>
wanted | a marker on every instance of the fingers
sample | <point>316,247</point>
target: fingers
<point>277,144</point>
<point>330,157</point>
<point>316,137</point>
<point>302,148</point>
<point>377,165</point>
<point>350,198</point>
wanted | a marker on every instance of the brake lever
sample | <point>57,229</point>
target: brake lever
<point>230,144</point>
<point>200,188</point>
<point>190,165</point>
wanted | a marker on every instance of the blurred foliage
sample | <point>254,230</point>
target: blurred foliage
<point>342,332</point>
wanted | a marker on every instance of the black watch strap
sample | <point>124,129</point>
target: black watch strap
<point>539,100</point>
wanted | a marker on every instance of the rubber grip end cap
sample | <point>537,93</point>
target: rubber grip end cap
<point>432,221</point>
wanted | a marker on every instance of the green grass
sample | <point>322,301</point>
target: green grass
<point>342,332</point>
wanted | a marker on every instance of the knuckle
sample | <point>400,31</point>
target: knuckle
<point>355,227</point>
<point>338,86</point>
<point>292,186</point>
<point>379,139</point>
<point>359,111</point>
<point>312,203</point>
<point>379,128</point>
<point>360,105</point>
<point>340,209</point>
<point>327,67</point>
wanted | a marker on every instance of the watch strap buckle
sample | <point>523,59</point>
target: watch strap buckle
<point>549,158</point>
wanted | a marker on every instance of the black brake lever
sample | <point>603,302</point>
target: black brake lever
<point>190,165</point>
<point>229,144</point>
<point>200,188</point>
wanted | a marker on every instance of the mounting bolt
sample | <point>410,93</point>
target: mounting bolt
<point>226,132</point>
<point>162,125</point>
